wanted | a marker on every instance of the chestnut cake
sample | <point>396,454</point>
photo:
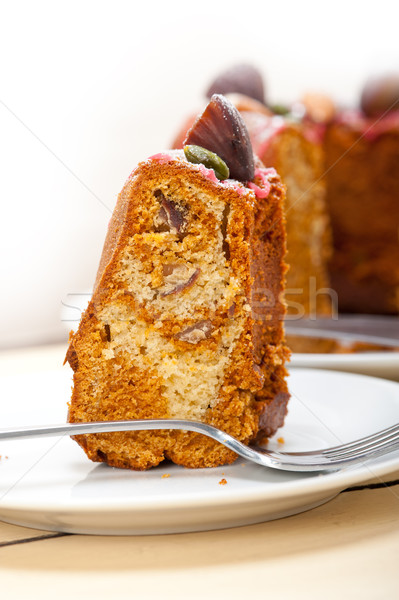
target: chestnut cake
<point>178,325</point>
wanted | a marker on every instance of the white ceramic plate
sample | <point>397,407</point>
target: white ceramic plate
<point>50,484</point>
<point>377,364</point>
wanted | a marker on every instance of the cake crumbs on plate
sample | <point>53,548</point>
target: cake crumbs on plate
<point>222,481</point>
<point>165,475</point>
<point>281,440</point>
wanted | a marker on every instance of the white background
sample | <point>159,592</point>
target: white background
<point>87,89</point>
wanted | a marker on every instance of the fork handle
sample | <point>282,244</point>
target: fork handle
<point>288,461</point>
<point>111,426</point>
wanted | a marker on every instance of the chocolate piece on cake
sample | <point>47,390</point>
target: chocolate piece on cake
<point>362,162</point>
<point>186,318</point>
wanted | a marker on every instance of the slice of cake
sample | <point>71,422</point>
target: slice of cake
<point>186,318</point>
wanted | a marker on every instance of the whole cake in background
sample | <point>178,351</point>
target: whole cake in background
<point>178,325</point>
<point>361,165</point>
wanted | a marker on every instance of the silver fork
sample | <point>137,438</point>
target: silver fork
<point>358,451</point>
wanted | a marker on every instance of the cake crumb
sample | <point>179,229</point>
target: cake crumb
<point>263,441</point>
<point>281,440</point>
<point>165,475</point>
<point>222,481</point>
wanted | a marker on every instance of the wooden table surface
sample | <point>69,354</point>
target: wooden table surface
<point>347,547</point>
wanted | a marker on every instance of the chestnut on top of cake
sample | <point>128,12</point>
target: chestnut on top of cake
<point>220,129</point>
<point>380,95</point>
<point>186,318</point>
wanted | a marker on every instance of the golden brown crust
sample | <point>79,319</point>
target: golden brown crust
<point>110,384</point>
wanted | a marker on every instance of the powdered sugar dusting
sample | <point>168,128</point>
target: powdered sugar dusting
<point>235,185</point>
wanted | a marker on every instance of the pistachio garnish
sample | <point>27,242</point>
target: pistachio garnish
<point>200,155</point>
<point>280,109</point>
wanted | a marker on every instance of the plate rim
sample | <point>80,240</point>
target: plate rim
<point>355,358</point>
<point>356,475</point>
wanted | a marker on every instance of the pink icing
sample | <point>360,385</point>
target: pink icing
<point>259,192</point>
<point>370,128</point>
<point>161,157</point>
<point>209,173</point>
<point>263,175</point>
<point>231,183</point>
